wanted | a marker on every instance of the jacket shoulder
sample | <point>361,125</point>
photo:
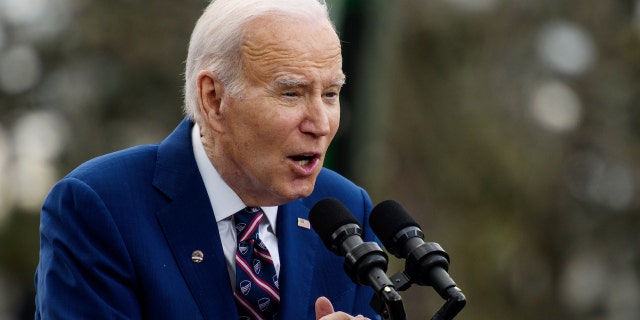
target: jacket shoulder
<point>134,161</point>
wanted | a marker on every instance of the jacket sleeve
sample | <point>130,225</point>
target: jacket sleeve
<point>84,271</point>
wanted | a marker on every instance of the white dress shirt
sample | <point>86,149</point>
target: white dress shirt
<point>225,203</point>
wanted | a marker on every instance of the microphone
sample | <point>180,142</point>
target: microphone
<point>426,263</point>
<point>365,262</point>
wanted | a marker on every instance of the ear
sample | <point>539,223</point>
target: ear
<point>210,96</point>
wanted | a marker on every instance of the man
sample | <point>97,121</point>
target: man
<point>150,232</point>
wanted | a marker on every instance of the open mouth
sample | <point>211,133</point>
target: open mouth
<point>304,159</point>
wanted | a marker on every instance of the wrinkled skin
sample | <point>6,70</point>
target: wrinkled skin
<point>269,142</point>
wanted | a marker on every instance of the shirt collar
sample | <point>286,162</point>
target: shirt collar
<point>224,201</point>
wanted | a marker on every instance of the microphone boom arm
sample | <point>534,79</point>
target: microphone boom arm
<point>388,304</point>
<point>368,260</point>
<point>432,255</point>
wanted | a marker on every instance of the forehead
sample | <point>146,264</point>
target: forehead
<point>277,45</point>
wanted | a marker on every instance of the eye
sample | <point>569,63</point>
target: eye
<point>290,94</point>
<point>331,94</point>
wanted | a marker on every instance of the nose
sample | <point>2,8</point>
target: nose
<point>319,118</point>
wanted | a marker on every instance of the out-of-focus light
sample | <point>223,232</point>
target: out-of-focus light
<point>566,48</point>
<point>592,280</point>
<point>20,69</point>
<point>584,280</point>
<point>18,12</point>
<point>32,181</point>
<point>37,19</point>
<point>596,180</point>
<point>624,293</point>
<point>555,107</point>
<point>475,5</point>
<point>40,135</point>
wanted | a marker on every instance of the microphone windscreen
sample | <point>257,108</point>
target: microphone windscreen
<point>387,219</point>
<point>327,215</point>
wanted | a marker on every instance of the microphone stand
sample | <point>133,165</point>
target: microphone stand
<point>388,304</point>
<point>434,256</point>
<point>367,264</point>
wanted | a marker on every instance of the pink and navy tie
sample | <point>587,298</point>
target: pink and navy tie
<point>256,292</point>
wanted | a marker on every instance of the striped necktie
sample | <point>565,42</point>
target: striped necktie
<point>256,292</point>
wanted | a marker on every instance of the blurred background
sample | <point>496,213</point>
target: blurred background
<point>509,129</point>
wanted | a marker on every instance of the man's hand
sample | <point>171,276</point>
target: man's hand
<point>324,311</point>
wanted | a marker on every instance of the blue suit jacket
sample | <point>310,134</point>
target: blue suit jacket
<point>118,233</point>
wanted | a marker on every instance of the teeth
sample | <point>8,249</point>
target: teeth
<point>303,162</point>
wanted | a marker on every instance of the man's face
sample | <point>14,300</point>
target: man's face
<point>276,131</point>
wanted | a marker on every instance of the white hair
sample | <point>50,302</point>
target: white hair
<point>217,38</point>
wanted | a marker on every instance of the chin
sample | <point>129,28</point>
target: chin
<point>293,189</point>
<point>301,192</point>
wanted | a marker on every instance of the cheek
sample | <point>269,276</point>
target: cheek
<point>275,127</point>
<point>260,138</point>
<point>334,118</point>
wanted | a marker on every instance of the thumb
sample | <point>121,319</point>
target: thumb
<point>323,307</point>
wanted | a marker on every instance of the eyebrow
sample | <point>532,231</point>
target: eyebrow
<point>292,82</point>
<point>340,82</point>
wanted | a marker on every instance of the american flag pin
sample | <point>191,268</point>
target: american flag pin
<point>304,223</point>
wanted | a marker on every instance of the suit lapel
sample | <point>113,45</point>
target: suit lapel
<point>297,246</point>
<point>189,224</point>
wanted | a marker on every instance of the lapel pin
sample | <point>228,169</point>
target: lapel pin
<point>197,256</point>
<point>304,223</point>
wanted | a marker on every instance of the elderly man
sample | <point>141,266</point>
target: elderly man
<point>212,222</point>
